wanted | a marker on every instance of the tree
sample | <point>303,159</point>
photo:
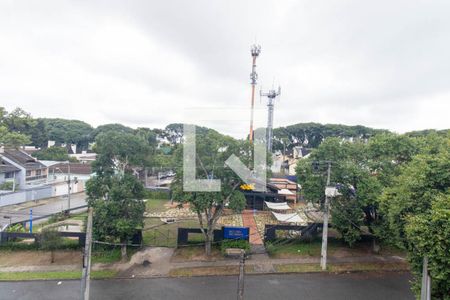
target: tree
<point>357,204</point>
<point>114,127</point>
<point>118,208</point>
<point>212,150</point>
<point>53,153</point>
<point>114,193</point>
<point>413,191</point>
<point>12,139</point>
<point>50,240</point>
<point>416,212</point>
<point>428,234</point>
<point>68,132</point>
<point>118,151</point>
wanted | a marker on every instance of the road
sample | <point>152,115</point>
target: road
<point>367,286</point>
<point>21,212</point>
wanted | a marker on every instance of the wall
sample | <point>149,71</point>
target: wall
<point>37,193</point>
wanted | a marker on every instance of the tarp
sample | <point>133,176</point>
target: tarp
<point>285,192</point>
<point>288,218</point>
<point>277,206</point>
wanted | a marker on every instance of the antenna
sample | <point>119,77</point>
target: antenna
<point>255,50</point>
<point>271,95</point>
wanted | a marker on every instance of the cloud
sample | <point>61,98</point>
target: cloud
<point>146,63</point>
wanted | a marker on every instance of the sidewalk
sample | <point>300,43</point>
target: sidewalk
<point>249,221</point>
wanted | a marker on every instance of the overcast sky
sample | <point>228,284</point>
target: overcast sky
<point>384,64</point>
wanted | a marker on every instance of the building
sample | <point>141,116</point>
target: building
<point>21,167</point>
<point>8,173</point>
<point>59,175</point>
<point>286,187</point>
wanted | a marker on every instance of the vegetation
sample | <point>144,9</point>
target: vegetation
<point>212,150</point>
<point>50,239</point>
<point>396,186</point>
<point>115,194</point>
<point>53,153</point>
<point>239,244</point>
<point>20,276</point>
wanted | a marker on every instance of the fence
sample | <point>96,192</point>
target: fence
<point>32,194</point>
<point>6,236</point>
<point>270,231</point>
<point>26,195</point>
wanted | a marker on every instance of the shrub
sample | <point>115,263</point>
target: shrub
<point>240,244</point>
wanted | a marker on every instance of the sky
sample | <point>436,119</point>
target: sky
<point>382,64</point>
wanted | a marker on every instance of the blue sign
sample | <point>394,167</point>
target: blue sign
<point>236,233</point>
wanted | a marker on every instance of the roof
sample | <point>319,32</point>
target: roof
<point>23,159</point>
<point>278,206</point>
<point>6,167</point>
<point>288,218</point>
<point>75,168</point>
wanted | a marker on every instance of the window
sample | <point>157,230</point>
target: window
<point>28,173</point>
<point>38,173</point>
<point>9,175</point>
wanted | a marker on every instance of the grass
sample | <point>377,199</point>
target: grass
<point>108,256</point>
<point>156,205</point>
<point>166,234</point>
<point>67,244</point>
<point>308,268</point>
<point>195,253</point>
<point>300,248</point>
<point>209,271</point>
<point>58,275</point>
<point>297,268</point>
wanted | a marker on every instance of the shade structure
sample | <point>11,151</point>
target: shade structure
<point>277,206</point>
<point>285,192</point>
<point>288,218</point>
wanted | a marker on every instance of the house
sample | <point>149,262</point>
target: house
<point>286,187</point>
<point>59,175</point>
<point>27,170</point>
<point>8,173</point>
<point>84,157</point>
<point>285,163</point>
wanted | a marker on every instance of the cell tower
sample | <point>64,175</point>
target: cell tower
<point>271,95</point>
<point>255,50</point>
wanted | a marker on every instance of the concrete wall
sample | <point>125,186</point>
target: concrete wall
<point>37,193</point>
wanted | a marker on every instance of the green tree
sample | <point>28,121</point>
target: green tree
<point>12,139</point>
<point>118,208</point>
<point>117,152</point>
<point>114,193</point>
<point>428,234</point>
<point>50,240</point>
<point>114,127</point>
<point>212,150</point>
<point>68,132</point>
<point>357,204</point>
<point>53,153</point>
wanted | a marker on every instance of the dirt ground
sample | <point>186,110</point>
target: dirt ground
<point>39,258</point>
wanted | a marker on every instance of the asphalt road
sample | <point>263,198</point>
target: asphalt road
<point>20,212</point>
<point>365,286</point>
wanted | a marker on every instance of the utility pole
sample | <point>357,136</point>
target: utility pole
<point>323,256</point>
<point>68,187</point>
<point>425,293</point>
<point>86,274</point>
<point>240,294</point>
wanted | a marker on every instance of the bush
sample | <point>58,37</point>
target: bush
<point>239,244</point>
<point>57,217</point>
<point>7,186</point>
